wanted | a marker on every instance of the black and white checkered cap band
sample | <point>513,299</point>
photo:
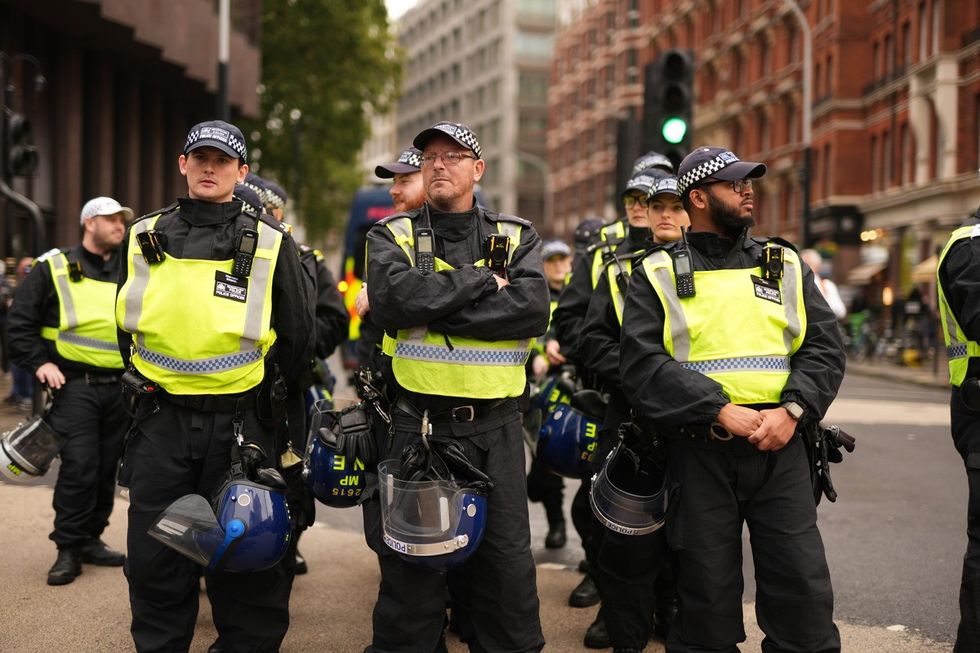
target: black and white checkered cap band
<point>262,193</point>
<point>665,185</point>
<point>462,135</point>
<point>705,170</point>
<point>219,135</point>
<point>641,182</point>
<point>411,157</point>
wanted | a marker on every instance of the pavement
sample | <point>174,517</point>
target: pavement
<point>330,607</point>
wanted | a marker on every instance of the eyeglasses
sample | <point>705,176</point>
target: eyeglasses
<point>632,200</point>
<point>739,186</point>
<point>448,158</point>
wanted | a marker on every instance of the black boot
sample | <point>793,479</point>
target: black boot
<point>65,568</point>
<point>663,618</point>
<point>597,636</point>
<point>97,552</point>
<point>556,537</point>
<point>301,567</point>
<point>216,647</point>
<point>585,595</point>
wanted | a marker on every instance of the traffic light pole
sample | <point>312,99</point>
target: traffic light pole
<point>807,117</point>
<point>224,36</point>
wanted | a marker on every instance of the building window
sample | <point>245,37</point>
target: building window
<point>829,71</point>
<point>532,44</point>
<point>906,44</point>
<point>923,32</point>
<point>889,63</point>
<point>828,187</point>
<point>632,73</point>
<point>875,164</point>
<point>908,159</point>
<point>818,79</point>
<point>876,60</point>
<point>937,8</point>
<point>762,124</point>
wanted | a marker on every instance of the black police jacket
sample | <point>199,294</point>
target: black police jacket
<point>209,231</point>
<point>661,390</point>
<point>599,346</point>
<point>959,275</point>
<point>36,305</point>
<point>464,301</point>
<point>331,318</point>
<point>574,303</point>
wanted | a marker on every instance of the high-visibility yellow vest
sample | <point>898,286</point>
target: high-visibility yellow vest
<point>735,330</point>
<point>615,292</point>
<point>195,331</point>
<point>86,331</point>
<point>428,362</point>
<point>959,348</point>
<point>610,236</point>
<point>351,288</point>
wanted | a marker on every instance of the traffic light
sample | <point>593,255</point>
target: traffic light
<point>21,154</point>
<point>668,104</point>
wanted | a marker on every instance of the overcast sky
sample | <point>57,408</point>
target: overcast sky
<point>398,7</point>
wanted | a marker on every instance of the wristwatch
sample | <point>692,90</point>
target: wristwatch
<point>794,409</point>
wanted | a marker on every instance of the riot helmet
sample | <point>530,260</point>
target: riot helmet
<point>433,504</point>
<point>544,398</point>
<point>570,434</point>
<point>26,451</point>
<point>340,444</point>
<point>629,493</point>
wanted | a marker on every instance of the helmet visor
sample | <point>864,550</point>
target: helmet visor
<point>627,501</point>
<point>189,526</point>
<point>33,445</point>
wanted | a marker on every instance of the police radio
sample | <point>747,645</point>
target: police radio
<point>247,242</point>
<point>497,249</point>
<point>425,257</point>
<point>683,269</point>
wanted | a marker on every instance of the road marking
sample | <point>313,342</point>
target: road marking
<point>863,411</point>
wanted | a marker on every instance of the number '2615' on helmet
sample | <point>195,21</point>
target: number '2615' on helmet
<point>629,493</point>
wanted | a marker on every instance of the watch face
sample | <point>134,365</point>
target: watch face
<point>794,409</point>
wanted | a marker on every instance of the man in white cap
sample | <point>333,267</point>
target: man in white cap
<point>62,328</point>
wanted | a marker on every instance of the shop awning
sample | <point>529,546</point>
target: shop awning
<point>925,271</point>
<point>862,274</point>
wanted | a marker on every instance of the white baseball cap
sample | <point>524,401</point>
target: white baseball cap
<point>103,206</point>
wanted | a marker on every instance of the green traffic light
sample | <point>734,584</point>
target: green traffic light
<point>674,130</point>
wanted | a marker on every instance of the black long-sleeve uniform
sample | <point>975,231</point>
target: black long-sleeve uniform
<point>959,275</point>
<point>465,301</point>
<point>716,485</point>
<point>330,315</point>
<point>87,410</point>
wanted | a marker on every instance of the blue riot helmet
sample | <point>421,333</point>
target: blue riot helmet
<point>340,444</point>
<point>433,504</point>
<point>629,493</point>
<point>245,529</point>
<point>545,397</point>
<point>570,435</point>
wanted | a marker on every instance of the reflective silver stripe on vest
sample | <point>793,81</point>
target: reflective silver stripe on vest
<point>956,351</point>
<point>258,280</point>
<point>83,341</point>
<point>678,323</point>
<point>71,318</point>
<point>459,354</point>
<point>744,364</point>
<point>200,365</point>
<point>793,327</point>
<point>137,286</point>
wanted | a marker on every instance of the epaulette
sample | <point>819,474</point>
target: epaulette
<point>265,218</point>
<point>161,212</point>
<point>48,254</point>
<point>411,215</point>
<point>633,256</point>
<point>505,217</point>
<point>657,247</point>
<point>288,227</point>
<point>306,250</point>
<point>776,239</point>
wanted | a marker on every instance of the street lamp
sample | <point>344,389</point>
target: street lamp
<point>807,114</point>
<point>542,165</point>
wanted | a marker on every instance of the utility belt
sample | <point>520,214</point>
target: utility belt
<point>457,420</point>
<point>713,432</point>
<point>95,378</point>
<point>212,403</point>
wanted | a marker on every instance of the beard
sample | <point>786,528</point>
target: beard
<point>726,218</point>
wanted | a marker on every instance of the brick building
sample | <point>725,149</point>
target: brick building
<point>896,106</point>
<point>124,82</point>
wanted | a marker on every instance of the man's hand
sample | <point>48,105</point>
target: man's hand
<point>777,429</point>
<point>539,366</point>
<point>501,281</point>
<point>740,420</point>
<point>361,304</point>
<point>50,375</point>
<point>552,349</point>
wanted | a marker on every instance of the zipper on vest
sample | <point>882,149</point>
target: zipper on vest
<point>448,344</point>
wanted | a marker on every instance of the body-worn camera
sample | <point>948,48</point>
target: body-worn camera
<point>151,245</point>
<point>772,263</point>
<point>498,248</point>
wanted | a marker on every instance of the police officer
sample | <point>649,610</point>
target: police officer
<point>214,338</point>
<point>629,566</point>
<point>62,328</point>
<point>726,346</point>
<point>449,317</point>
<point>543,486</point>
<point>959,305</point>
<point>629,235</point>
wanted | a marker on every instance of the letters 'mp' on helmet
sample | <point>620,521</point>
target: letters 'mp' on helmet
<point>334,464</point>
<point>567,441</point>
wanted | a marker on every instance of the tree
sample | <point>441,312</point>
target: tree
<point>325,64</point>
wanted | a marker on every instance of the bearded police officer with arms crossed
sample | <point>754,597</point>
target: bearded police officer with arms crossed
<point>61,326</point>
<point>727,345</point>
<point>467,399</point>
<point>214,363</point>
<point>959,309</point>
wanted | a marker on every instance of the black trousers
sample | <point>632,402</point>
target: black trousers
<point>966,437</point>
<point>172,452</point>
<point>716,487</point>
<point>548,489</point>
<point>410,613</point>
<point>92,419</point>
